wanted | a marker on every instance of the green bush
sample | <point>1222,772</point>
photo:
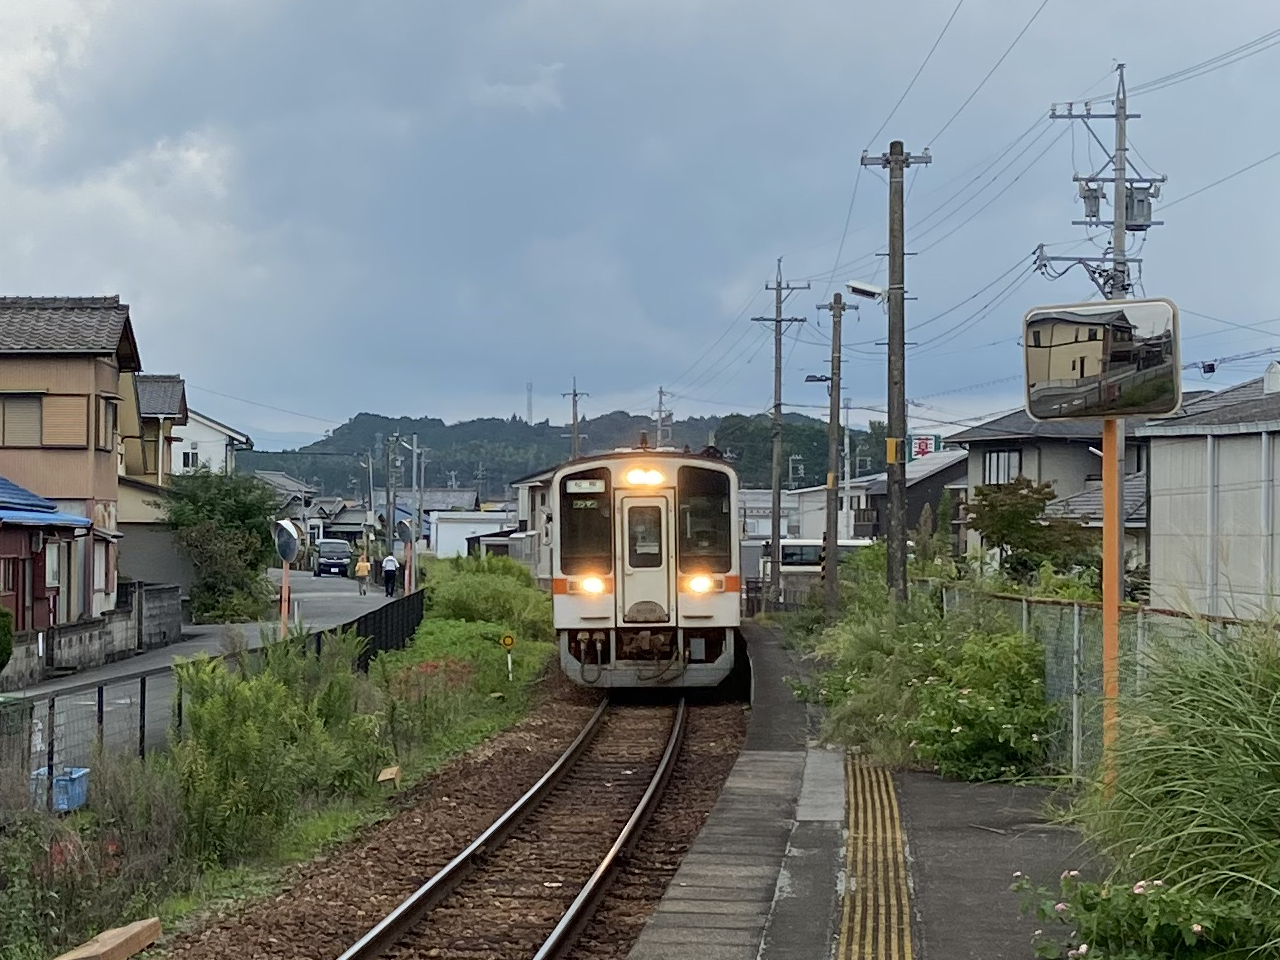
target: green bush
<point>1197,772</point>
<point>289,730</point>
<point>963,692</point>
<point>495,598</point>
<point>984,715</point>
<point>1146,920</point>
<point>62,880</point>
<point>449,686</point>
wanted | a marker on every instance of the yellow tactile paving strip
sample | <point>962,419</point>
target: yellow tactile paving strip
<point>875,922</point>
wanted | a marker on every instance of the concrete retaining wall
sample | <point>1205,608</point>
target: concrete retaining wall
<point>151,618</point>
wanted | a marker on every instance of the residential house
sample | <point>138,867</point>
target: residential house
<point>531,542</point>
<point>162,406</point>
<point>1085,508</point>
<point>1064,453</point>
<point>203,442</point>
<point>807,516</point>
<point>298,500</point>
<point>1213,507</point>
<point>148,552</point>
<point>451,529</point>
<point>864,502</point>
<point>67,403</point>
<point>33,535</point>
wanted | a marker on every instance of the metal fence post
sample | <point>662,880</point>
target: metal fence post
<point>101,714</point>
<point>1026,617</point>
<point>1141,649</point>
<point>142,716</point>
<point>48,748</point>
<point>177,707</point>
<point>1077,734</point>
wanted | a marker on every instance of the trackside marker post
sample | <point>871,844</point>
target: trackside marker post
<point>508,641</point>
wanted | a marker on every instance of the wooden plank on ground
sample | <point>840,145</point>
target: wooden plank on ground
<point>118,944</point>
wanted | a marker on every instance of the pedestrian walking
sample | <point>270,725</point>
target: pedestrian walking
<point>389,568</point>
<point>363,569</point>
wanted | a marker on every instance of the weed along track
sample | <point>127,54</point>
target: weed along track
<point>529,884</point>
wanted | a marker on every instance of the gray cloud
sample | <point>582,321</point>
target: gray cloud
<point>431,206</point>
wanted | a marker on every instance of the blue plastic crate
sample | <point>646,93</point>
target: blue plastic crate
<point>70,789</point>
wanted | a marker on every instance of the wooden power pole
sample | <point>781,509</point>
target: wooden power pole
<point>775,533</point>
<point>896,160</point>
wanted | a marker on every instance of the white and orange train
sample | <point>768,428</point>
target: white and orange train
<point>645,568</point>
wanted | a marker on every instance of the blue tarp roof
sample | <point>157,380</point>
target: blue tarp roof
<point>20,507</point>
<point>14,497</point>
<point>42,518</point>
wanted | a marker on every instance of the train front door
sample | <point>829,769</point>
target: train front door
<point>648,556</point>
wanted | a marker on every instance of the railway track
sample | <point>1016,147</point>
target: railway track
<point>529,883</point>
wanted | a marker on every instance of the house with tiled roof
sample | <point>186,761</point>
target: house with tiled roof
<point>32,532</point>
<point>66,404</point>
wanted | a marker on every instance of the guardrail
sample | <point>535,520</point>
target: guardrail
<point>43,734</point>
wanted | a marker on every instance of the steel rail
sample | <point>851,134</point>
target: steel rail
<point>584,905</point>
<point>396,925</point>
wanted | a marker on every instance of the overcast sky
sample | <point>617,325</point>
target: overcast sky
<point>413,208</point>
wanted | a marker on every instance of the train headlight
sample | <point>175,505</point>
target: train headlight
<point>641,477</point>
<point>700,584</point>
<point>592,585</point>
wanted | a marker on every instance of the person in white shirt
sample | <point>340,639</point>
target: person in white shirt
<point>389,568</point>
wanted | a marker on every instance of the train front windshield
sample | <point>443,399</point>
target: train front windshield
<point>586,524</point>
<point>706,522</point>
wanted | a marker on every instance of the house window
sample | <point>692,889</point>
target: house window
<point>106,432</point>
<point>1093,333</point>
<point>189,460</point>
<point>53,564</point>
<point>1001,466</point>
<point>8,575</point>
<point>65,422</point>
<point>20,421</point>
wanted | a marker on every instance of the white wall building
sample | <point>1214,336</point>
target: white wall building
<point>204,442</point>
<point>1213,507</point>
<point>451,528</point>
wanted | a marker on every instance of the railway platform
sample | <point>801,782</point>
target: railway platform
<point>812,854</point>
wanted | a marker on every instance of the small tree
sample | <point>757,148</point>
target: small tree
<point>1010,517</point>
<point>222,522</point>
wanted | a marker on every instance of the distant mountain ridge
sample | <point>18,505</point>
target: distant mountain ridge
<point>489,453</point>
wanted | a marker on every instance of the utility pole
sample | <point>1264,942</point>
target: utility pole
<point>897,161</point>
<point>1132,194</point>
<point>831,565</point>
<point>388,447</point>
<point>416,526</point>
<point>574,426</point>
<point>775,536</point>
<point>663,433</point>
<point>848,477</point>
<point>528,389</point>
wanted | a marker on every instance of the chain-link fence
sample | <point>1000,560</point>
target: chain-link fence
<point>47,741</point>
<point>1071,633</point>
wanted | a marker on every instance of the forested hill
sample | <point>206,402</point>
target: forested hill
<point>490,453</point>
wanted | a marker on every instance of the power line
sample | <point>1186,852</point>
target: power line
<point>927,57</point>
<point>1225,59</point>
<point>857,177</point>
<point>264,406</point>
<point>1230,176</point>
<point>990,72</point>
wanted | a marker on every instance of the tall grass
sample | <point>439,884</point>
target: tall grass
<point>1196,798</point>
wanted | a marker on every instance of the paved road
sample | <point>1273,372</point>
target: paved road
<point>322,603</point>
